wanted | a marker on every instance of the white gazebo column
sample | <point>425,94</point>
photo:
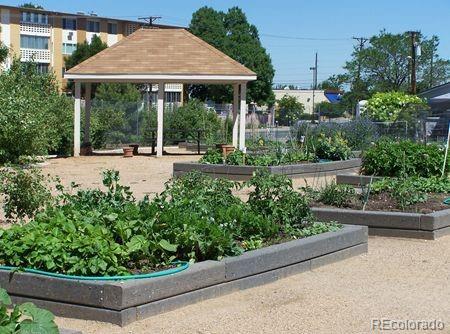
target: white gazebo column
<point>76,120</point>
<point>235,115</point>
<point>159,136</point>
<point>243,112</point>
<point>87,113</point>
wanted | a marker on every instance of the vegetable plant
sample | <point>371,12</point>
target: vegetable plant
<point>403,158</point>
<point>25,318</point>
<point>106,232</point>
<point>339,195</point>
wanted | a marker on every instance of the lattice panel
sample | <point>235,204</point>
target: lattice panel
<point>35,28</point>
<point>41,56</point>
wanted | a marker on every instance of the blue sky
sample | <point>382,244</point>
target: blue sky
<point>330,25</point>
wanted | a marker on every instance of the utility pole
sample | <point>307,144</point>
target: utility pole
<point>431,66</point>
<point>413,62</point>
<point>314,69</point>
<point>362,41</point>
<point>150,20</point>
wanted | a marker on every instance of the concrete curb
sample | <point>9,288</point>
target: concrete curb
<point>356,180</point>
<point>391,224</point>
<point>243,173</point>
<point>124,302</point>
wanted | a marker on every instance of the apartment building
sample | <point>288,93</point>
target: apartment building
<point>47,37</point>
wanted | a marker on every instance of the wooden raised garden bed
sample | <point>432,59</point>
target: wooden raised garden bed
<point>123,302</point>
<point>243,173</point>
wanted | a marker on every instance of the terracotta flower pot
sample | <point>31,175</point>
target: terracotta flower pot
<point>135,148</point>
<point>226,149</point>
<point>127,152</point>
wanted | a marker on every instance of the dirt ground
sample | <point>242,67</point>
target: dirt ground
<point>398,279</point>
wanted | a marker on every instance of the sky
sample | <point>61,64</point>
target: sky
<point>292,31</point>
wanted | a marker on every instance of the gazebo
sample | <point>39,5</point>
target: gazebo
<point>161,56</point>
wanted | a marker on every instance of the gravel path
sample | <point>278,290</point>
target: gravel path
<point>397,279</point>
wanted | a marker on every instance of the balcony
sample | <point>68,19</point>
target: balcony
<point>36,29</point>
<point>37,55</point>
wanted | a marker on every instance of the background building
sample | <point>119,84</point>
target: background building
<point>305,96</point>
<point>47,37</point>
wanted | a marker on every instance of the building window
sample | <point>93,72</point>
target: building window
<point>41,68</point>
<point>172,97</point>
<point>112,28</point>
<point>93,26</point>
<point>34,42</point>
<point>69,24</point>
<point>38,18</point>
<point>68,48</point>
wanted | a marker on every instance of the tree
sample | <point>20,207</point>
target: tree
<point>334,82</point>
<point>393,106</point>
<point>31,5</point>
<point>331,110</point>
<point>3,53</point>
<point>289,110</point>
<point>35,119</point>
<point>84,51</point>
<point>232,34</point>
<point>114,113</point>
<point>385,63</point>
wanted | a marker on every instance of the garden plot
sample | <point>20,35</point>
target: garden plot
<point>89,253</point>
<point>407,197</point>
<point>313,155</point>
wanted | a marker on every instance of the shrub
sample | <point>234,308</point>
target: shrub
<point>25,192</point>
<point>289,110</point>
<point>332,148</point>
<point>236,158</point>
<point>24,318</point>
<point>403,158</point>
<point>213,157</point>
<point>393,106</point>
<point>339,195</point>
<point>34,118</point>
<point>273,196</point>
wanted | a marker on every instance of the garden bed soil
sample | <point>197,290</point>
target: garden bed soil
<point>123,302</point>
<point>385,202</point>
<point>243,173</point>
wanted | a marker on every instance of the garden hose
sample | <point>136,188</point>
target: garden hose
<point>180,266</point>
<point>446,201</point>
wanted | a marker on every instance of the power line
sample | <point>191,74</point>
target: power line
<point>305,38</point>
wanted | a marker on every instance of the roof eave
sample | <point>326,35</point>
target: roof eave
<point>169,78</point>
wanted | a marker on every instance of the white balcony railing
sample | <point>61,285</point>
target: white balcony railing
<point>39,56</point>
<point>35,29</point>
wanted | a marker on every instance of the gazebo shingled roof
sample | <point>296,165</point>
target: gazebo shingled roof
<point>161,56</point>
<point>160,51</point>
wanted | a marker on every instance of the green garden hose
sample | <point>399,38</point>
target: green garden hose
<point>447,201</point>
<point>181,265</point>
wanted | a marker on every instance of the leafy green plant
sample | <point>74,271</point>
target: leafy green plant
<point>34,118</point>
<point>404,158</point>
<point>428,185</point>
<point>213,157</point>
<point>24,318</point>
<point>236,158</point>
<point>273,196</point>
<point>95,232</point>
<point>391,106</point>
<point>339,195</point>
<point>332,148</point>
<point>25,191</point>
